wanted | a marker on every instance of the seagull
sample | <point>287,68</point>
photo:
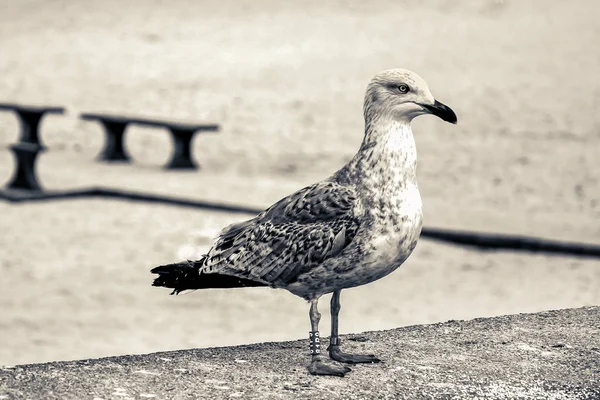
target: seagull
<point>353,228</point>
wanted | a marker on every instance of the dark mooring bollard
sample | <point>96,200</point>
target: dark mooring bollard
<point>181,157</point>
<point>29,118</point>
<point>29,146</point>
<point>114,150</point>
<point>25,157</point>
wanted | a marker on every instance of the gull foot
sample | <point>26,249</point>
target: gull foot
<point>336,354</point>
<point>319,367</point>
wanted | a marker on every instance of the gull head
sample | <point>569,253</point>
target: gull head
<point>402,95</point>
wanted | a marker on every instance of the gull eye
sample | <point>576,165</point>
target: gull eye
<point>403,88</point>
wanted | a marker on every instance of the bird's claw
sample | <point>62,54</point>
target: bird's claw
<point>319,367</point>
<point>336,354</point>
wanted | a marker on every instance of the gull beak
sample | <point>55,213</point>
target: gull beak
<point>441,110</point>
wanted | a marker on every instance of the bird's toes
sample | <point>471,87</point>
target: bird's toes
<point>369,358</point>
<point>336,354</point>
<point>319,367</point>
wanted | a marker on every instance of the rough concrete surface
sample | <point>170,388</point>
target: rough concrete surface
<point>548,355</point>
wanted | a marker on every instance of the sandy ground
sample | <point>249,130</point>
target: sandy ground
<point>286,82</point>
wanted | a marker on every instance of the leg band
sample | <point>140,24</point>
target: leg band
<point>334,341</point>
<point>315,342</point>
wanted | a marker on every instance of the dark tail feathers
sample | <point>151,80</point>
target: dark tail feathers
<point>185,276</point>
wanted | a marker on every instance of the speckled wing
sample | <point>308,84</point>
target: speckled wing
<point>293,236</point>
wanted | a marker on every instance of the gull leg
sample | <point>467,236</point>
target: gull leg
<point>318,365</point>
<point>334,342</point>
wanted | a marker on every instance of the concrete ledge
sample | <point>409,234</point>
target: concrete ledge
<point>548,355</point>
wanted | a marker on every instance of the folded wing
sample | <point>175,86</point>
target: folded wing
<point>294,235</point>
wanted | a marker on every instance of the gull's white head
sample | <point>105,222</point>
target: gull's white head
<point>402,95</point>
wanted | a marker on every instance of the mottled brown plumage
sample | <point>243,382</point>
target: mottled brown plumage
<point>289,239</point>
<point>355,227</point>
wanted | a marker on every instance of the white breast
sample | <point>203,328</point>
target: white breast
<point>393,234</point>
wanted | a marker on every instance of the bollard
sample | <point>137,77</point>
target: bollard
<point>29,146</point>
